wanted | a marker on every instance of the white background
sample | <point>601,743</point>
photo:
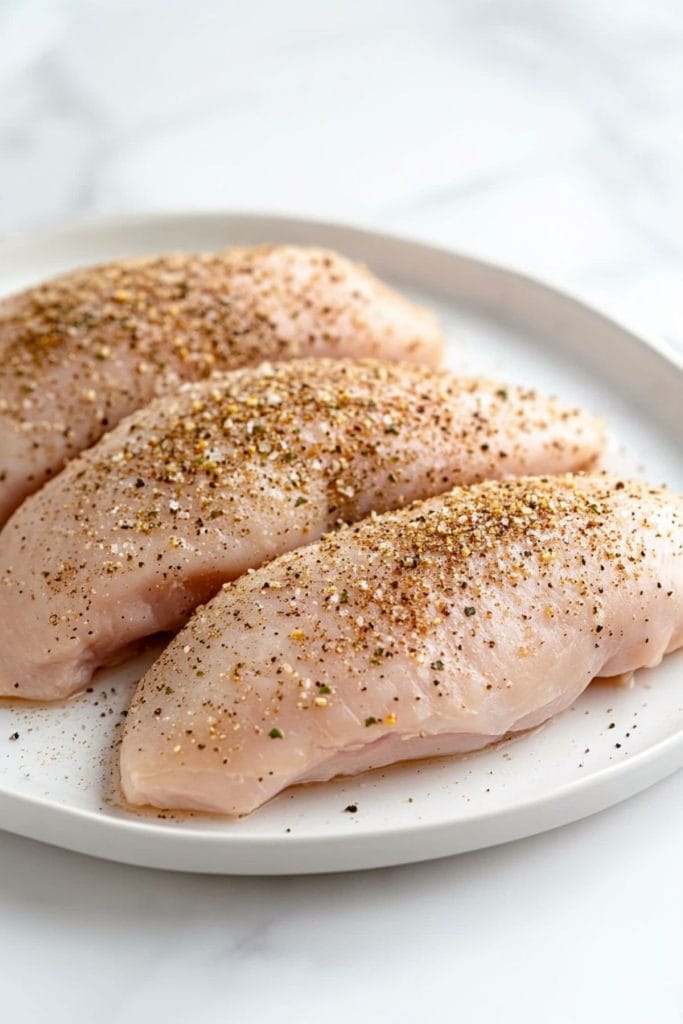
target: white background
<point>546,134</point>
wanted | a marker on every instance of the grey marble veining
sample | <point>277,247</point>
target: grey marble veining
<point>580,924</point>
<point>545,133</point>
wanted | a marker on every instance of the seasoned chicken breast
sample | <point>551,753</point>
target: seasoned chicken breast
<point>432,630</point>
<point>82,351</point>
<point>205,484</point>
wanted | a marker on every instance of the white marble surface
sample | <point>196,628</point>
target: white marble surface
<point>547,134</point>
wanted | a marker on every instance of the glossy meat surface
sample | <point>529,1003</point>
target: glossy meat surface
<point>84,350</point>
<point>204,484</point>
<point>437,629</point>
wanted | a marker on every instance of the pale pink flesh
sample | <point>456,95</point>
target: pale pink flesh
<point>84,573</point>
<point>320,647</point>
<point>84,350</point>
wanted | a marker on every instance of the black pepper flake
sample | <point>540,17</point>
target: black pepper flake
<point>470,611</point>
<point>351,809</point>
<point>14,736</point>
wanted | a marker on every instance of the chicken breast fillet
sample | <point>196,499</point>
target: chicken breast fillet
<point>82,351</point>
<point>204,484</point>
<point>433,630</point>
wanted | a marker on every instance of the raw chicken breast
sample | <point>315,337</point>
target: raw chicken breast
<point>204,484</point>
<point>433,630</point>
<point>81,352</point>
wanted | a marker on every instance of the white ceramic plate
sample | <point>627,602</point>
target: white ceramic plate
<point>56,776</point>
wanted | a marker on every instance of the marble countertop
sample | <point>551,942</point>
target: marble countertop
<point>541,133</point>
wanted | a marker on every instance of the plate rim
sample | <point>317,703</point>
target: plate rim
<point>638,768</point>
<point>605,775</point>
<point>138,218</point>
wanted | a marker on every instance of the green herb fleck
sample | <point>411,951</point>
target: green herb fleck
<point>168,691</point>
<point>469,611</point>
<point>276,734</point>
<point>437,665</point>
<point>300,501</point>
<point>325,688</point>
<point>371,721</point>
